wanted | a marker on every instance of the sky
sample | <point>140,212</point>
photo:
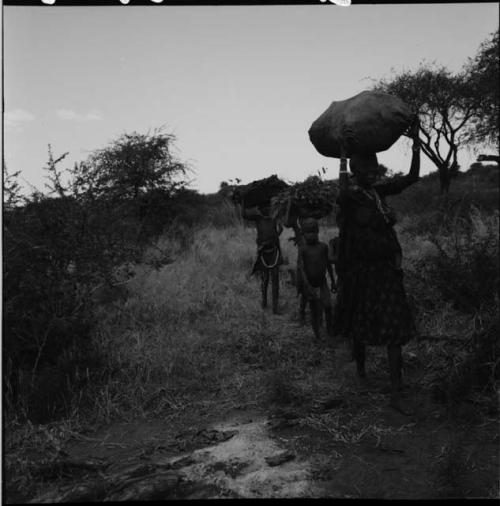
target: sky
<point>239,86</point>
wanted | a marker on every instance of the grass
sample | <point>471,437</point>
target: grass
<point>185,324</point>
<point>194,325</point>
<point>452,468</point>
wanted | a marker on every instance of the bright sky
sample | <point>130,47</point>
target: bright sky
<point>238,85</point>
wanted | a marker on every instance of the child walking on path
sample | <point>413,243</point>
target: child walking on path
<point>313,265</point>
<point>269,257</point>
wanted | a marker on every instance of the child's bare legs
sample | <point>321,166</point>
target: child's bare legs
<point>328,308</point>
<point>302,296</point>
<point>264,284</point>
<point>302,309</point>
<point>316,309</point>
<point>319,309</point>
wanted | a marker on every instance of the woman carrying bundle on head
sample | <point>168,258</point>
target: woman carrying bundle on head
<point>372,308</point>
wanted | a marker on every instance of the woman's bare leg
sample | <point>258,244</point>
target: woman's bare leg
<point>329,321</point>
<point>359,354</point>
<point>394,355</point>
<point>275,288</point>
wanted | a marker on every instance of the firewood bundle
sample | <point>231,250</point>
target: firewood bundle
<point>312,198</point>
<point>260,192</point>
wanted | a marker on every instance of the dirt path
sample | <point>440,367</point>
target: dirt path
<point>347,446</point>
<point>320,435</point>
<point>290,455</point>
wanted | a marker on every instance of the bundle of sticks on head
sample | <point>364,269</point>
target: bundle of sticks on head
<point>312,198</point>
<point>260,192</point>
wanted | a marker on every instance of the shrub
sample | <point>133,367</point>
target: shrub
<point>466,270</point>
<point>51,267</point>
<point>453,274</point>
<point>467,367</point>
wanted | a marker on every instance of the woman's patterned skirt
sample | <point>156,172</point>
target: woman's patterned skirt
<point>372,307</point>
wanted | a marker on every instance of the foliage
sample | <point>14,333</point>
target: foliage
<point>11,188</point>
<point>477,366</point>
<point>466,270</point>
<point>445,105</point>
<point>483,75</point>
<point>55,185</point>
<point>62,249</point>
<point>313,197</point>
<point>456,110</point>
<point>130,166</point>
<point>453,275</point>
<point>421,211</point>
<point>52,262</point>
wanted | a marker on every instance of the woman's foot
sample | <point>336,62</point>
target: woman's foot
<point>360,368</point>
<point>387,389</point>
<point>362,384</point>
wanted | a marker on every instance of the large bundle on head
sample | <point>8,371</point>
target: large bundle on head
<point>369,122</point>
<point>260,192</point>
<point>311,198</point>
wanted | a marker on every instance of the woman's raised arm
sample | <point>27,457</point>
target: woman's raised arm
<point>398,184</point>
<point>343,177</point>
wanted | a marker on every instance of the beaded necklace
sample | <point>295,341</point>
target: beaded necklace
<point>271,265</point>
<point>373,195</point>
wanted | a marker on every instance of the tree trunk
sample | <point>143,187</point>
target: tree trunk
<point>444,179</point>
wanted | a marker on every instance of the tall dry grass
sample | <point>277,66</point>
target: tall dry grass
<point>185,327</point>
<point>452,275</point>
<point>194,326</point>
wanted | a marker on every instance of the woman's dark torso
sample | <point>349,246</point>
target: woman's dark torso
<point>367,235</point>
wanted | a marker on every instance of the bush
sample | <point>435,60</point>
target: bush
<point>431,212</point>
<point>466,270</point>
<point>466,368</point>
<point>453,274</point>
<point>51,265</point>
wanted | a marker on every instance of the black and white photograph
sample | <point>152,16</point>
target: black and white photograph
<point>250,251</point>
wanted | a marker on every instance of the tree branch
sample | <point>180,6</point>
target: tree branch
<point>430,154</point>
<point>436,146</point>
<point>467,117</point>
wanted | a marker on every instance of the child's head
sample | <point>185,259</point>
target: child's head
<point>310,229</point>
